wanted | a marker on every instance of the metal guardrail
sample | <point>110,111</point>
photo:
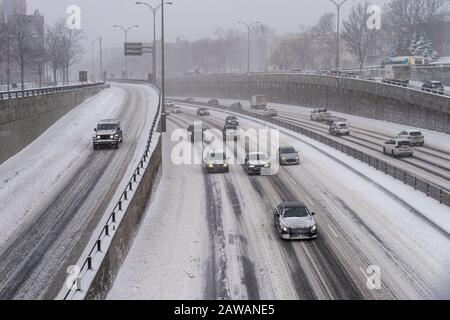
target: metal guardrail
<point>406,177</point>
<point>118,208</point>
<point>17,94</point>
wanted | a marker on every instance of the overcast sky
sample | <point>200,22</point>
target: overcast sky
<point>191,19</point>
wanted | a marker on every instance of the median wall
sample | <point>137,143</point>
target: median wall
<point>362,98</point>
<point>24,119</point>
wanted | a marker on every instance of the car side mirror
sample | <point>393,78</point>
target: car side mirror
<point>313,213</point>
<point>95,129</point>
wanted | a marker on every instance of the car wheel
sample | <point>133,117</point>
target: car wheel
<point>95,147</point>
<point>384,150</point>
<point>393,154</point>
<point>116,146</point>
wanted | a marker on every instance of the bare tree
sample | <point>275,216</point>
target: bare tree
<point>356,35</point>
<point>64,49</point>
<point>285,53</point>
<point>21,47</point>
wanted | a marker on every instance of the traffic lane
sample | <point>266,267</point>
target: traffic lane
<point>394,256</point>
<point>37,258</point>
<point>310,279</point>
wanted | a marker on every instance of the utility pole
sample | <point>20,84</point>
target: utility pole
<point>248,25</point>
<point>125,31</point>
<point>154,11</point>
<point>102,78</point>
<point>338,52</point>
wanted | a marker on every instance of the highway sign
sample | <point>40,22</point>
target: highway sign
<point>133,49</point>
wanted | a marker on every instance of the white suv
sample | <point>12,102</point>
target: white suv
<point>398,148</point>
<point>416,137</point>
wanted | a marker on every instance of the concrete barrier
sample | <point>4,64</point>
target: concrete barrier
<point>356,97</point>
<point>23,120</point>
<point>125,234</point>
<point>100,265</point>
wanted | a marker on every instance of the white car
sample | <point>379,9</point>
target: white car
<point>416,137</point>
<point>256,162</point>
<point>316,113</point>
<point>398,148</point>
<point>339,129</point>
<point>270,113</point>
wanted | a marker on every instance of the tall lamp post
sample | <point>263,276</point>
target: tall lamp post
<point>249,26</point>
<point>154,11</point>
<point>100,56</point>
<point>93,59</point>
<point>338,5</point>
<point>125,31</point>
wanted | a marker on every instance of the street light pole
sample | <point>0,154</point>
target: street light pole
<point>154,11</point>
<point>248,40</point>
<point>338,52</point>
<point>101,59</point>
<point>93,59</point>
<point>125,31</point>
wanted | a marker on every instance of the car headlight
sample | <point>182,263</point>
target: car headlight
<point>251,166</point>
<point>111,136</point>
<point>313,228</point>
<point>284,227</point>
<point>283,158</point>
<point>98,137</point>
<point>298,158</point>
<point>225,165</point>
<point>210,165</point>
<point>267,165</point>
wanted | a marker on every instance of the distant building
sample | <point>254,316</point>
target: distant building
<point>10,11</point>
<point>12,8</point>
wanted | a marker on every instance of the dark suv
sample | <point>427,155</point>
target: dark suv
<point>196,132</point>
<point>108,133</point>
<point>213,102</point>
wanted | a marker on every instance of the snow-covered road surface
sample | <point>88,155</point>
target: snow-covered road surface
<point>212,236</point>
<point>54,192</point>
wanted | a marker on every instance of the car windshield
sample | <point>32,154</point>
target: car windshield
<point>288,150</point>
<point>296,212</point>
<point>257,156</point>
<point>231,128</point>
<point>342,126</point>
<point>217,156</point>
<point>404,143</point>
<point>106,126</point>
<point>416,133</point>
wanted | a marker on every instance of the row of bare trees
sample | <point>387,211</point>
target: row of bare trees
<point>63,49</point>
<point>24,48</point>
<point>409,27</point>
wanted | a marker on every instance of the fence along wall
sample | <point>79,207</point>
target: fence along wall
<point>23,119</point>
<point>362,98</point>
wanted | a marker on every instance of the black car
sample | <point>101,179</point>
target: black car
<point>196,132</point>
<point>202,112</point>
<point>433,87</point>
<point>232,121</point>
<point>213,102</point>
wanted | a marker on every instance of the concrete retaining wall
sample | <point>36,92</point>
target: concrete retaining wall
<point>363,98</point>
<point>23,120</point>
<point>424,73</point>
<point>123,238</point>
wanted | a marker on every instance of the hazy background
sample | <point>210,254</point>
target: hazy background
<point>191,19</point>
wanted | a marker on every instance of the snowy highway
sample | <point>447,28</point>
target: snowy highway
<point>212,236</point>
<point>55,191</point>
